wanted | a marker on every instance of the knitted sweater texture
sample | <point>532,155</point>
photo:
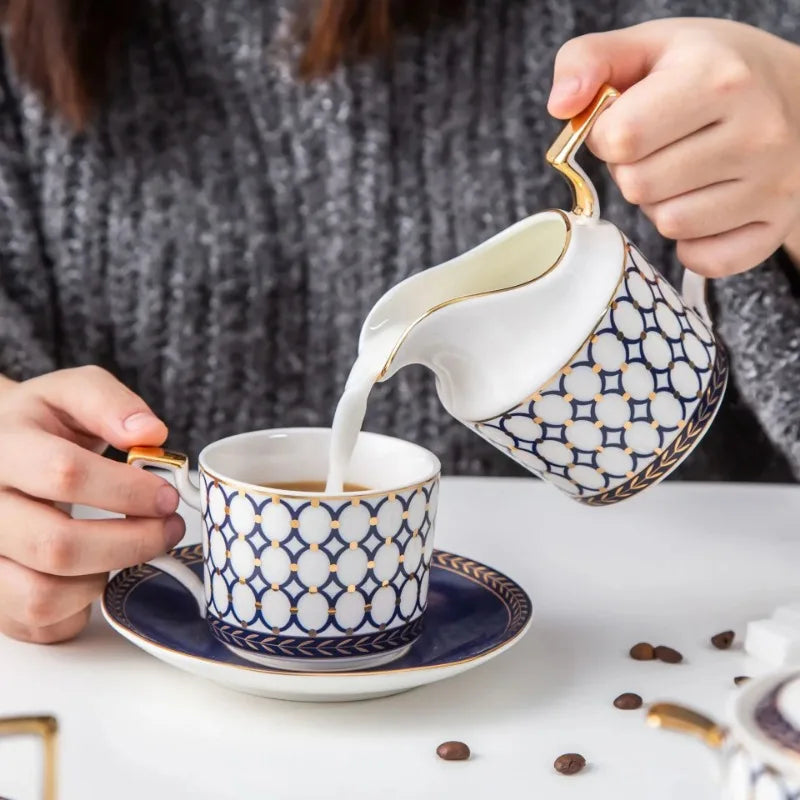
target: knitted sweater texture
<point>218,235</point>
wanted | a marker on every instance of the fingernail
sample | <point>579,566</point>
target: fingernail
<point>167,500</point>
<point>564,88</point>
<point>139,421</point>
<point>174,528</point>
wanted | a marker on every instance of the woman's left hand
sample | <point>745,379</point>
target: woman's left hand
<point>705,138</point>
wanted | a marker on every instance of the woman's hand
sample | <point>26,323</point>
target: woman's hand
<point>52,431</point>
<point>705,138</point>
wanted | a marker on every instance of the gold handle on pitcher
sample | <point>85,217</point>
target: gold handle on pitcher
<point>561,155</point>
<point>684,720</point>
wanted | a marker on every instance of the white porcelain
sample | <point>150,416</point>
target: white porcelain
<point>305,580</point>
<point>759,750</point>
<point>557,342</point>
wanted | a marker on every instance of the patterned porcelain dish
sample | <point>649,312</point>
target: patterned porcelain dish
<point>474,613</point>
<point>304,580</point>
<point>760,749</point>
<point>559,343</point>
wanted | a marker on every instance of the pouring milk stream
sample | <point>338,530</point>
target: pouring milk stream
<point>557,342</point>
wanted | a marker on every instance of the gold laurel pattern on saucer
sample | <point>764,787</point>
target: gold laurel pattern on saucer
<point>513,597</point>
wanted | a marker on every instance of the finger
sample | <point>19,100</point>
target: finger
<point>710,211</point>
<point>583,64</point>
<point>49,634</point>
<point>730,252</point>
<point>702,159</point>
<point>38,600</point>
<point>43,538</point>
<point>660,110</point>
<point>96,402</point>
<point>60,470</point>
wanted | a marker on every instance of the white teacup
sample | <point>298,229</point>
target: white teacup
<point>302,580</point>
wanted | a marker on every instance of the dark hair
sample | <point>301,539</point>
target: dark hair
<point>65,49</point>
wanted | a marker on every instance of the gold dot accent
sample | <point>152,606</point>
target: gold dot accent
<point>258,518</point>
<point>274,587</point>
<point>653,424</point>
<point>227,509</point>
<point>356,501</point>
<point>216,484</point>
<point>258,604</point>
<point>230,597</point>
<point>623,367</point>
<point>388,540</point>
<point>275,500</point>
<point>681,423</point>
<point>599,448</point>
<point>382,626</point>
<point>392,497</point>
<point>243,624</point>
<point>571,465</point>
<point>353,545</point>
<point>274,544</point>
<point>241,580</point>
<point>335,524</point>
<point>384,583</point>
<point>537,420</point>
<point>314,502</point>
<point>628,451</point>
<point>401,559</point>
<point>373,520</point>
<point>568,422</point>
<point>415,532</point>
<point>240,537</point>
<point>370,565</point>
<point>257,562</point>
<point>276,630</point>
<point>216,527</point>
<point>598,398</point>
<point>626,425</point>
<point>427,506</point>
<point>334,568</point>
<point>312,633</point>
<point>626,396</point>
<point>292,609</point>
<point>241,492</point>
<point>568,397</point>
<point>658,451</point>
<point>294,524</point>
<point>600,470</point>
<point>313,547</point>
<point>570,445</point>
<point>629,474</point>
<point>368,607</point>
<point>351,588</point>
<point>293,567</point>
<point>216,571</point>
<point>566,370</point>
<point>651,396</point>
<point>404,515</point>
<point>536,397</point>
<point>598,424</point>
<point>593,340</point>
<point>227,554</point>
<point>331,611</point>
<point>312,589</point>
<point>596,368</point>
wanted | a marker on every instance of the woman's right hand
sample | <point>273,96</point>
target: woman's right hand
<point>53,430</point>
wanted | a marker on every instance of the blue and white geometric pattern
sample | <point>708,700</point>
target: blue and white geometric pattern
<point>617,417</point>
<point>306,572</point>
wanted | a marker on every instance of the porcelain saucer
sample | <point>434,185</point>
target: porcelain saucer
<point>474,614</point>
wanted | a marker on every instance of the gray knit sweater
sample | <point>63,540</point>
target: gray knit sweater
<point>218,236</point>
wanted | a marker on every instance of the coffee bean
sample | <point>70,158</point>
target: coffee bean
<point>668,655</point>
<point>453,751</point>
<point>722,641</point>
<point>628,701</point>
<point>740,679</point>
<point>642,652</point>
<point>569,763</point>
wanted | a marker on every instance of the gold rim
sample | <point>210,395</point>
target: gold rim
<point>252,488</point>
<point>461,298</point>
<point>127,632</point>
<point>625,250</point>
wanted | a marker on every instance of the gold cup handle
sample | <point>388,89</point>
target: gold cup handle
<point>178,464</point>
<point>684,720</point>
<point>46,728</point>
<point>561,156</point>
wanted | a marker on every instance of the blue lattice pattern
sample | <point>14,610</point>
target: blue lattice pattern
<point>623,405</point>
<point>312,568</point>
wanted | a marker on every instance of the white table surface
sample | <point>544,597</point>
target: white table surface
<point>673,566</point>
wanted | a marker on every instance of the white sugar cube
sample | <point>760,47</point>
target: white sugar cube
<point>773,641</point>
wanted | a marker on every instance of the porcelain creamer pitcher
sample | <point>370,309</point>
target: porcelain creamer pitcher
<point>557,342</point>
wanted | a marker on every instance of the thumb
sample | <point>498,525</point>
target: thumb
<point>95,402</point>
<point>620,58</point>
